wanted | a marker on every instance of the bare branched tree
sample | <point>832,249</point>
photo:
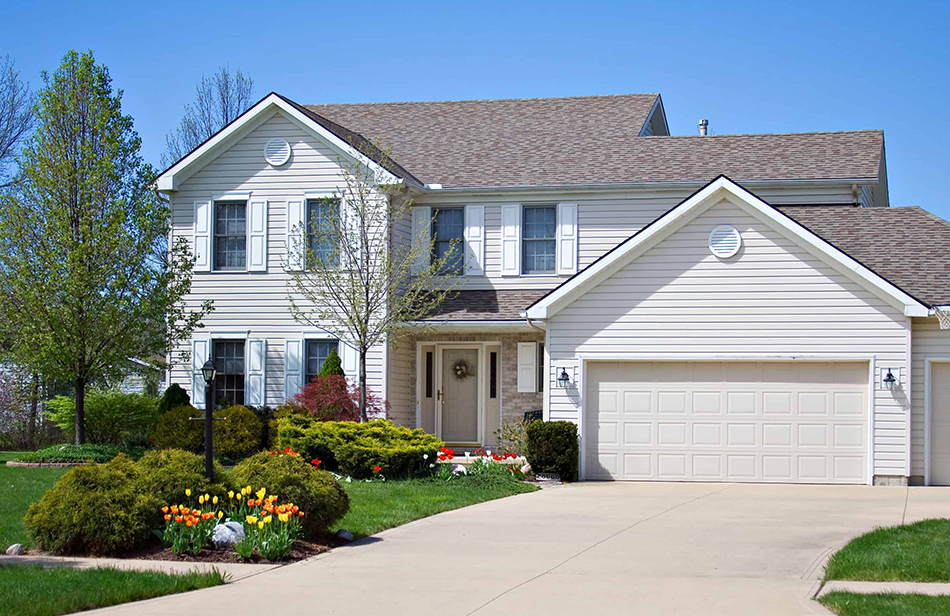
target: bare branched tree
<point>352,273</point>
<point>16,113</point>
<point>219,99</point>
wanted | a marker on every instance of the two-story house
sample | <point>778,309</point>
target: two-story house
<point>709,307</point>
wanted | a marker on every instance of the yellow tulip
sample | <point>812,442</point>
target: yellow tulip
<point>248,488</point>
<point>267,520</point>
<point>261,493</point>
<point>220,514</point>
<point>251,519</point>
<point>230,493</point>
<point>201,500</point>
<point>260,525</point>
<point>187,491</point>
<point>215,500</point>
<point>206,496</point>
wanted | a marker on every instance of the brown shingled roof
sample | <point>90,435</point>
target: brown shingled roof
<point>584,140</point>
<point>486,305</point>
<point>908,246</point>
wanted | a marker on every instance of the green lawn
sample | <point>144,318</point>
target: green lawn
<point>917,552</point>
<point>35,591</point>
<point>21,487</point>
<point>379,505</point>
<point>852,604</point>
<point>6,456</point>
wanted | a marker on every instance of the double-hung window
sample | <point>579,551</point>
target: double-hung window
<point>323,217</point>
<point>317,353</point>
<point>230,235</point>
<point>538,239</point>
<point>448,230</point>
<point>229,362</point>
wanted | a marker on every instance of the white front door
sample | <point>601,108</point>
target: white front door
<point>458,395</point>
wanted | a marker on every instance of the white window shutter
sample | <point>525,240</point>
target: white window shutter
<point>293,368</point>
<point>567,238</point>
<point>200,352</point>
<point>350,226</point>
<point>257,236</point>
<point>527,367</point>
<point>474,240</point>
<point>296,232</point>
<point>421,237</point>
<point>202,239</point>
<point>511,241</point>
<point>254,377</point>
<point>350,358</point>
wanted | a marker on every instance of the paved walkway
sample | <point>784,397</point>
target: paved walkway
<point>588,548</point>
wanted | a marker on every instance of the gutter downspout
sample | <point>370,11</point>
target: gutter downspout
<point>532,325</point>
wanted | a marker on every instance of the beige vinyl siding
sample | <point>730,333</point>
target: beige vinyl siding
<point>257,302</point>
<point>399,379</point>
<point>603,220</point>
<point>929,341</point>
<point>774,299</point>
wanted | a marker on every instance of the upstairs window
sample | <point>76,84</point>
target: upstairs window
<point>539,229</point>
<point>322,223</point>
<point>448,229</point>
<point>317,353</point>
<point>229,361</point>
<point>230,235</point>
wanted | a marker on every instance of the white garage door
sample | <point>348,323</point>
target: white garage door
<point>789,422</point>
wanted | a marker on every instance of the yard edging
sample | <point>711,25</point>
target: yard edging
<point>869,588</point>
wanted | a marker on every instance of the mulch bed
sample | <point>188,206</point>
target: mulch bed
<point>300,551</point>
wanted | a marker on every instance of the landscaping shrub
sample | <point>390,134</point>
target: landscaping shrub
<point>295,479</point>
<point>176,430</point>
<point>167,473</point>
<point>334,398</point>
<point>355,449</point>
<point>283,411</point>
<point>96,509</point>
<point>512,436</point>
<point>80,453</point>
<point>553,448</point>
<point>112,417</point>
<point>174,395</point>
<point>332,365</point>
<point>238,436</point>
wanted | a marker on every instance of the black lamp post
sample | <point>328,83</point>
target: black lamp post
<point>208,371</point>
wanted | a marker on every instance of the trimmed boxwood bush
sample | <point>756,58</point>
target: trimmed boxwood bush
<point>294,479</point>
<point>354,449</point>
<point>167,473</point>
<point>68,452</point>
<point>176,430</point>
<point>93,509</point>
<point>553,448</point>
<point>239,435</point>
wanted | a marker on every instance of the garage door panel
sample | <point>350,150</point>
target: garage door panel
<point>776,429</point>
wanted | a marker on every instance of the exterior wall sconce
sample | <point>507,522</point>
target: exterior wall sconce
<point>563,379</point>
<point>890,378</point>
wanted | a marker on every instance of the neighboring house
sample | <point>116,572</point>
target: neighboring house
<point>715,308</point>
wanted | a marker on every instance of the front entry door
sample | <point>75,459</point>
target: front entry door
<point>459,396</point>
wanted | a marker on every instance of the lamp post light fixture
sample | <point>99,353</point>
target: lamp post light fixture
<point>563,379</point>
<point>208,371</point>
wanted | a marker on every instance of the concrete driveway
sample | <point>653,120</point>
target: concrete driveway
<point>587,548</point>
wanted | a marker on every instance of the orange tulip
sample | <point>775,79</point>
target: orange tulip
<point>175,509</point>
<point>188,523</point>
<point>167,517</point>
<point>178,519</point>
<point>250,502</point>
<point>300,514</point>
<point>164,509</point>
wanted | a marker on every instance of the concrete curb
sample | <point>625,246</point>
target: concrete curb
<point>233,571</point>
<point>917,588</point>
<point>44,464</point>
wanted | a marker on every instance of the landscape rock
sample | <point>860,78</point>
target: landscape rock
<point>526,469</point>
<point>344,534</point>
<point>459,469</point>
<point>229,533</point>
<point>16,549</point>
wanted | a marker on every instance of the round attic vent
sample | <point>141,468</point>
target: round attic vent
<point>724,241</point>
<point>277,151</point>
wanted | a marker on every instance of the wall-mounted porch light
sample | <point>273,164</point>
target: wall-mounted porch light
<point>563,379</point>
<point>889,380</point>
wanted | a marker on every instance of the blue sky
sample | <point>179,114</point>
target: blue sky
<point>747,66</point>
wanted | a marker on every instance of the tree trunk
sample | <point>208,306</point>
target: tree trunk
<point>34,408</point>
<point>363,385</point>
<point>80,410</point>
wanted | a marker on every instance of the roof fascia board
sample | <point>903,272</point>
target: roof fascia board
<point>547,306</point>
<point>172,177</point>
<point>518,325</point>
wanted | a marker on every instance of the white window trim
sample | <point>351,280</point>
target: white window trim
<point>232,196</point>
<point>557,218</point>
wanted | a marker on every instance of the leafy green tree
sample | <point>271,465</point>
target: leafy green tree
<point>332,365</point>
<point>87,277</point>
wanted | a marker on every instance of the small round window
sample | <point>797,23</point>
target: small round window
<point>724,241</point>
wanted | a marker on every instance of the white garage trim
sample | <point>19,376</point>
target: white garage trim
<point>928,361</point>
<point>585,359</point>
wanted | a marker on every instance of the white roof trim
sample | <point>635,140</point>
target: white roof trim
<point>174,175</point>
<point>626,252</point>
